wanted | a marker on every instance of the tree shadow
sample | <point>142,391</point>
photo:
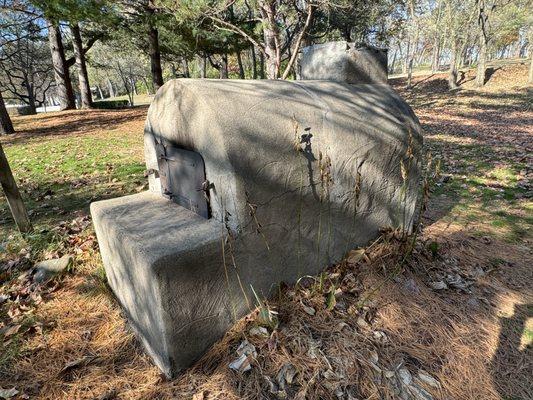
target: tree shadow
<point>489,72</point>
<point>512,363</point>
<point>71,123</point>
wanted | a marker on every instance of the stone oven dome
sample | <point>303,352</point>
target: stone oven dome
<point>273,180</point>
<point>263,139</point>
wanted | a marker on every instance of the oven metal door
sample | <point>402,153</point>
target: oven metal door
<point>182,174</point>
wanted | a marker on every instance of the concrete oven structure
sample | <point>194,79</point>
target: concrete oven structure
<point>253,183</point>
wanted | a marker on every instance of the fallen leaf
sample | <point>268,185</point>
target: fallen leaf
<point>259,331</point>
<point>308,310</point>
<point>8,393</point>
<point>77,363</point>
<point>10,330</point>
<point>355,255</point>
<point>331,301</point>
<point>108,395</point>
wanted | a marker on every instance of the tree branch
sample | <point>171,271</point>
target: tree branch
<point>90,43</point>
<point>229,26</point>
<point>299,41</point>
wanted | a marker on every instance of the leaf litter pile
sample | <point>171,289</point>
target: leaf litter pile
<point>443,315</point>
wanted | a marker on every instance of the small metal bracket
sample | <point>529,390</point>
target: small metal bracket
<point>151,171</point>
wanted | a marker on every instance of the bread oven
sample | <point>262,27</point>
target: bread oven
<point>253,183</point>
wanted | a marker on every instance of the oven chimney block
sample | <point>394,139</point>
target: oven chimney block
<point>344,62</point>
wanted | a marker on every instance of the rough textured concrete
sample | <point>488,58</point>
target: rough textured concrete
<point>163,263</point>
<point>299,172</point>
<point>344,62</point>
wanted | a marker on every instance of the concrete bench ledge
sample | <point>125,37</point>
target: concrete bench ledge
<point>164,265</point>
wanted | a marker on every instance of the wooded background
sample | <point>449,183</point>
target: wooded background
<point>72,52</point>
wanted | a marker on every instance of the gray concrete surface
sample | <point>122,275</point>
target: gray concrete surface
<point>163,264</point>
<point>282,159</point>
<point>344,62</point>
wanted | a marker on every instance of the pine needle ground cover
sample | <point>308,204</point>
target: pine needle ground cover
<point>447,314</point>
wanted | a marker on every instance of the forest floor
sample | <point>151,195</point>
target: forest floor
<point>450,318</point>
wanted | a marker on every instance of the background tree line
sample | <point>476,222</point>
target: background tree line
<point>69,52</point>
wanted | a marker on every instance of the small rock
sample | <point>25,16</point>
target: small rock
<point>423,376</point>
<point>272,387</point>
<point>472,302</point>
<point>419,393</point>
<point>47,269</point>
<point>340,326</point>
<point>374,356</point>
<point>339,393</point>
<point>389,374</point>
<point>405,376</point>
<point>3,297</point>
<point>329,374</point>
<point>314,349</point>
<point>486,240</point>
<point>112,394</point>
<point>478,272</point>
<point>259,331</point>
<point>456,281</point>
<point>411,286</point>
<point>438,285</point>
<point>8,393</point>
<point>379,335</point>
<point>361,323</point>
<point>286,375</point>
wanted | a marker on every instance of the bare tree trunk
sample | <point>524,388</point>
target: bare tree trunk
<point>31,103</point>
<point>100,94</point>
<point>203,66</point>
<point>147,86</point>
<point>482,33</point>
<point>481,63</point>
<point>6,127</point>
<point>185,64</point>
<point>407,55</point>
<point>254,62</point>
<point>530,76</point>
<point>393,63</point>
<point>127,82</point>
<point>267,10</point>
<point>62,77</point>
<point>85,90</point>
<point>223,67</point>
<point>241,68</point>
<point>412,58</point>
<point>410,73</point>
<point>436,41</point>
<point>155,58</point>
<point>14,200</point>
<point>435,63</point>
<point>110,88</point>
<point>452,73</point>
<point>261,65</point>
